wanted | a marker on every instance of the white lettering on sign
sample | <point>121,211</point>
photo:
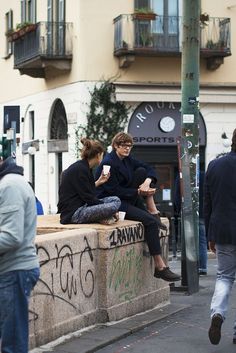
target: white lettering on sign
<point>171,106</point>
<point>160,105</point>
<point>140,117</point>
<point>149,109</point>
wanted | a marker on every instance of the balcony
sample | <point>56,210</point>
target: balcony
<point>45,50</point>
<point>163,37</point>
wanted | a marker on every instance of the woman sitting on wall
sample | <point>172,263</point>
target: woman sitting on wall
<point>78,202</point>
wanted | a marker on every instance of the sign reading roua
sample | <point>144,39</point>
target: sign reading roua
<point>159,124</point>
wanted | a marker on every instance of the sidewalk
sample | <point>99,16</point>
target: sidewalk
<point>192,312</point>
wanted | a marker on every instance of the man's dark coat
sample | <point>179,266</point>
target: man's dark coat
<point>220,200</point>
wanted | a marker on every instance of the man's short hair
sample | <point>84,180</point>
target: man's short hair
<point>121,137</point>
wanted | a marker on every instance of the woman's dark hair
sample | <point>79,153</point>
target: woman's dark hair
<point>233,146</point>
<point>91,148</point>
<point>120,138</point>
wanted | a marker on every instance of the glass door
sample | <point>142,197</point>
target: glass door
<point>49,27</point>
<point>56,27</point>
<point>166,27</point>
<point>164,197</point>
<point>61,27</point>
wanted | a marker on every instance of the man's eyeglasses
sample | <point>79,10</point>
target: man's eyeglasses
<point>126,145</point>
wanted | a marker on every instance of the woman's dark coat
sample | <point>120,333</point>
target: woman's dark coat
<point>77,189</point>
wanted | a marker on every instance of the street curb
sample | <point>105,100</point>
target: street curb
<point>105,334</point>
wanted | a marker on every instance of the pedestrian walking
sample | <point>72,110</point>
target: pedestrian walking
<point>19,266</point>
<point>220,222</point>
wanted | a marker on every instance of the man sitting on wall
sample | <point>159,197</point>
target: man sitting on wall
<point>130,179</point>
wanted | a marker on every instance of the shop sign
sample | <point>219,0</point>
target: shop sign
<point>159,123</point>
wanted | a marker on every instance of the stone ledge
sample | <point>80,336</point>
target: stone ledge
<point>91,273</point>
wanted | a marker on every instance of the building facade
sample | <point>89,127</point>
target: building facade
<point>62,48</point>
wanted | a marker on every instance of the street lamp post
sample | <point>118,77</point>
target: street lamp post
<point>189,156</point>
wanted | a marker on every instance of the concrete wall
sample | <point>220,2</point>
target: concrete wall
<point>91,276</point>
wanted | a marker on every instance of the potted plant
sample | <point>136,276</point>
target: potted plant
<point>21,30</point>
<point>144,13</point>
<point>212,45</point>
<point>204,18</point>
<point>146,39</point>
<point>9,34</point>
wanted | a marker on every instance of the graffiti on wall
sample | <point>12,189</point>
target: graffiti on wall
<point>73,281</point>
<point>126,272</point>
<point>126,235</point>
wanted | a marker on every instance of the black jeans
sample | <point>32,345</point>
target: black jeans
<point>137,212</point>
<point>151,227</point>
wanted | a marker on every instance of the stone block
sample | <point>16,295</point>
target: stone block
<point>127,286</point>
<point>92,274</point>
<point>65,297</point>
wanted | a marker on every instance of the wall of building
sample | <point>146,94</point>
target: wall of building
<point>93,41</point>
<point>93,61</point>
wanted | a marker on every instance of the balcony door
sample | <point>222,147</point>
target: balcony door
<point>56,27</point>
<point>61,27</point>
<point>165,29</point>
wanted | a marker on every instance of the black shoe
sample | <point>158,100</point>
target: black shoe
<point>167,275</point>
<point>202,273</point>
<point>214,332</point>
<point>234,340</point>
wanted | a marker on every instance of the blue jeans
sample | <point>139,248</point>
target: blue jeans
<point>226,258</point>
<point>202,247</point>
<point>15,288</point>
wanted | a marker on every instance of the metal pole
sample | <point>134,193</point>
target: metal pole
<point>190,138</point>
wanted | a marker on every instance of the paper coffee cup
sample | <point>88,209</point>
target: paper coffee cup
<point>122,215</point>
<point>106,169</point>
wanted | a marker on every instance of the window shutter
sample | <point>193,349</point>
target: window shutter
<point>141,3</point>
<point>23,11</point>
<point>33,17</point>
<point>10,19</point>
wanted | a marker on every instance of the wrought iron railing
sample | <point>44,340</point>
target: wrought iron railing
<point>52,40</point>
<point>164,35</point>
<point>215,34</point>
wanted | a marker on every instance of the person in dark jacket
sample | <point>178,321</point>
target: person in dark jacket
<point>220,223</point>
<point>130,179</point>
<point>39,205</point>
<point>78,202</point>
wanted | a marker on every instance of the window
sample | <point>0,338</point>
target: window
<point>56,26</point>
<point>28,11</point>
<point>56,10</point>
<point>9,27</point>
<point>167,19</point>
